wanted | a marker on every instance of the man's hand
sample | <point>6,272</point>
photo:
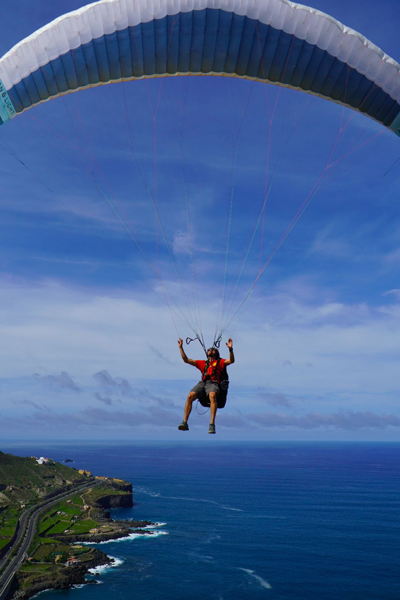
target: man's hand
<point>231,358</point>
<point>183,354</point>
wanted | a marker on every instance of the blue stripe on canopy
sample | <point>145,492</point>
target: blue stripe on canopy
<point>201,42</point>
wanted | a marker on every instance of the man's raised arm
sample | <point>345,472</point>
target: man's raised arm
<point>185,359</point>
<point>231,359</point>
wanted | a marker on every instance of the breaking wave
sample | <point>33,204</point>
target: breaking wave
<point>133,536</point>
<point>102,568</point>
<point>257,578</point>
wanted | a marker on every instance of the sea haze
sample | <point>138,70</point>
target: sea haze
<point>283,521</point>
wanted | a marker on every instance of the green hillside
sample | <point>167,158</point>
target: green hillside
<point>23,482</point>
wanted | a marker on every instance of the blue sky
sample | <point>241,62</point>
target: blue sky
<point>88,346</point>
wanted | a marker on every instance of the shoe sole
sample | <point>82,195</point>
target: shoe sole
<point>183,428</point>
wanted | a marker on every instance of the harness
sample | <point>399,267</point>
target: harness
<point>217,370</point>
<point>223,382</point>
<point>216,373</point>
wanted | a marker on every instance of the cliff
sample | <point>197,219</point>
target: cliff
<point>115,501</point>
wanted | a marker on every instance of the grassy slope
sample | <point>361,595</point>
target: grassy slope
<point>24,482</point>
<point>32,481</point>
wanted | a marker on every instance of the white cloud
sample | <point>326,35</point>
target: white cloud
<point>131,347</point>
<point>181,243</point>
<point>327,244</point>
<point>395,293</point>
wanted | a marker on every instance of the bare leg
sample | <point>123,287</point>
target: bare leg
<point>213,406</point>
<point>188,406</point>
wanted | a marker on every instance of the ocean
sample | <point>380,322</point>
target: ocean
<point>281,521</point>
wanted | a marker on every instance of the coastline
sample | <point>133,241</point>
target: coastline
<point>82,561</point>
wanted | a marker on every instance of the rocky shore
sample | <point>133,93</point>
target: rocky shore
<point>64,578</point>
<point>120,529</point>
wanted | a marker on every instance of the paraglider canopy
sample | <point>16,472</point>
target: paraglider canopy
<point>276,41</point>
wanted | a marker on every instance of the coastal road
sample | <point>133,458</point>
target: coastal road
<point>27,526</point>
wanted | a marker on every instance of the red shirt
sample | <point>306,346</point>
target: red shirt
<point>214,370</point>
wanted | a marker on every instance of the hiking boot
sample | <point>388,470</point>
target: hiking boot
<point>211,428</point>
<point>183,426</point>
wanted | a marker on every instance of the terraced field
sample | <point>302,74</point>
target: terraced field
<point>69,516</point>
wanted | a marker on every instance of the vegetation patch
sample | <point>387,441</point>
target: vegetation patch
<point>84,526</point>
<point>31,567</point>
<point>8,524</point>
<point>3,542</point>
<point>78,500</point>
<point>59,527</point>
<point>50,553</point>
<point>69,509</point>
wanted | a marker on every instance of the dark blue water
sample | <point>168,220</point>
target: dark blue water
<point>279,521</point>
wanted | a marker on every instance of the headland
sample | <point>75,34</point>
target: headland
<point>48,514</point>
